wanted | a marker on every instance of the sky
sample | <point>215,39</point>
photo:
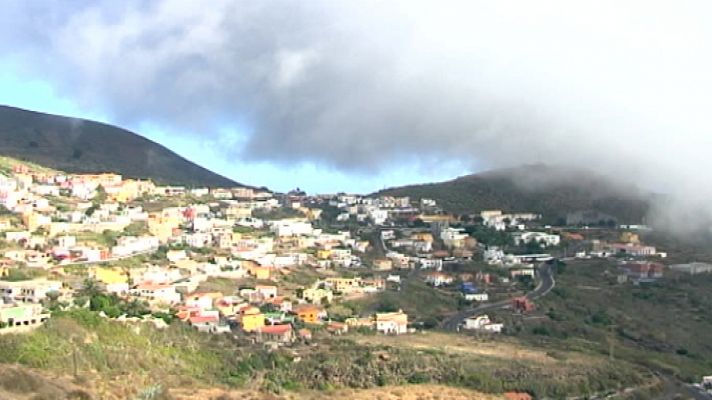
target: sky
<point>356,95</point>
<point>33,92</point>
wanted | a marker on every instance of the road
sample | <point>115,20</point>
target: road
<point>546,283</point>
<point>108,260</point>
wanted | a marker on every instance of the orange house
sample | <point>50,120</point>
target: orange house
<point>309,313</point>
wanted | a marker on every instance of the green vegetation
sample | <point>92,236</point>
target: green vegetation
<point>223,285</point>
<point>136,229</point>
<point>95,348</point>
<point>663,326</point>
<point>425,305</point>
<point>278,213</point>
<point>22,274</point>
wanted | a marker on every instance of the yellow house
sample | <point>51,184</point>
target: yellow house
<point>162,225</point>
<point>317,295</point>
<point>252,319</point>
<point>34,220</point>
<point>344,285</point>
<point>260,273</point>
<point>323,254</point>
<point>108,275</point>
<point>630,237</point>
<point>383,264</point>
<point>228,308</point>
<point>128,190</point>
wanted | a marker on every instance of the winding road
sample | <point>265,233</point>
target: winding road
<point>546,283</point>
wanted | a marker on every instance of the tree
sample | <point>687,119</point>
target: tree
<point>100,196</point>
<point>90,288</point>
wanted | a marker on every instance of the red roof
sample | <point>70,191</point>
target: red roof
<point>276,329</point>
<point>202,319</point>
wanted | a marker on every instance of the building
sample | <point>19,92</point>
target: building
<point>32,291</point>
<point>21,317</point>
<point>277,333</point>
<point>159,293</point>
<point>383,264</point>
<point>393,323</point>
<point>267,291</point>
<point>633,249</point>
<point>344,285</point>
<point>482,323</point>
<point>204,323</point>
<point>309,313</point>
<point>438,279</point>
<point>542,238</point>
<point>692,268</point>
<point>453,237</point>
<point>252,319</point>
<point>643,271</point>
<point>318,295</point>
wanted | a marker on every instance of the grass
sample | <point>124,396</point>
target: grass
<point>662,326</point>
<point>420,301</point>
<point>130,358</point>
<point>223,285</point>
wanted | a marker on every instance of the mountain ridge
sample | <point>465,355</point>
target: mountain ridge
<point>77,145</point>
<point>554,191</point>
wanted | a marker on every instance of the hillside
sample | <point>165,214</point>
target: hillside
<point>81,146</point>
<point>554,192</point>
<point>113,360</point>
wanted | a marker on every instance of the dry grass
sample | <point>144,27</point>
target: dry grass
<point>409,392</point>
<point>461,344</point>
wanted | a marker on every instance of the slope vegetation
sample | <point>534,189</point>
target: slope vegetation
<point>81,146</point>
<point>552,191</point>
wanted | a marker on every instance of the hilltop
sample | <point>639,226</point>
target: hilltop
<point>553,191</point>
<point>81,146</point>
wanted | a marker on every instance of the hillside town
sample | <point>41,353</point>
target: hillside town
<point>271,267</point>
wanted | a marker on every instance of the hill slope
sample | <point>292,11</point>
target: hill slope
<point>552,191</point>
<point>81,146</point>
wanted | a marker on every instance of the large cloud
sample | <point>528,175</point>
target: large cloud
<point>622,87</point>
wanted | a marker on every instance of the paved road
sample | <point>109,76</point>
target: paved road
<point>546,283</point>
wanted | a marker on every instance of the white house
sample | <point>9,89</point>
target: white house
<point>438,279</point>
<point>482,323</point>
<point>431,263</point>
<point>476,297</point>
<point>394,323</point>
<point>543,238</point>
<point>291,228</point>
<point>32,291</point>
<point>162,293</point>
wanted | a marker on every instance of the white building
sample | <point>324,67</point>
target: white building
<point>545,239</point>
<point>476,297</point>
<point>453,237</point>
<point>377,216</point>
<point>291,228</point>
<point>161,293</point>
<point>32,291</point>
<point>482,323</point>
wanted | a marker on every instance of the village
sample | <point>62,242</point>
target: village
<point>273,268</point>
